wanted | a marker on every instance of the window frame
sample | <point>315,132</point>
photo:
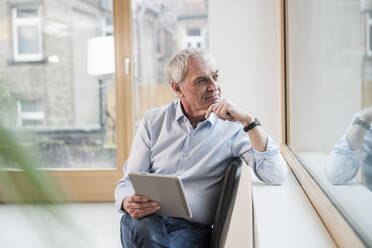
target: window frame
<point>26,22</point>
<point>98,185</point>
<point>28,115</point>
<point>339,228</point>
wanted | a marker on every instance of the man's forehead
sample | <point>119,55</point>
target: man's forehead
<point>202,65</point>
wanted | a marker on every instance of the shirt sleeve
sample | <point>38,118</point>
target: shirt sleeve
<point>138,161</point>
<point>342,164</point>
<point>269,166</point>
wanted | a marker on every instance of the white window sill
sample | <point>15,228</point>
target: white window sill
<point>284,217</point>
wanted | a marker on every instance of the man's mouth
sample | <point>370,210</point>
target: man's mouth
<point>213,97</point>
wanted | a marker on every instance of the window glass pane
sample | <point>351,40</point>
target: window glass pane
<point>66,101</point>
<point>160,29</point>
<point>30,113</point>
<point>31,122</point>
<point>193,32</point>
<point>330,84</point>
<point>26,12</point>
<point>28,40</point>
<point>31,106</point>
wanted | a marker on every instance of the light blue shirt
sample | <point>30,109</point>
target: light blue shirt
<point>166,143</point>
<point>343,163</point>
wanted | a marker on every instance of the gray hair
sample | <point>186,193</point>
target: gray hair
<point>178,66</point>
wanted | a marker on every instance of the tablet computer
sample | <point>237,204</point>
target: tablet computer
<point>165,189</point>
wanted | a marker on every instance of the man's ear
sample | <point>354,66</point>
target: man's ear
<point>176,88</point>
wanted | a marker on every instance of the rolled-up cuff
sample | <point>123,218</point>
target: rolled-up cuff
<point>269,166</point>
<point>120,194</point>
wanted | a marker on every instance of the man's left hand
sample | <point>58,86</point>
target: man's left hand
<point>226,110</point>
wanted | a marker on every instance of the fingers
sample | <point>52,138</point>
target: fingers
<point>210,110</point>
<point>221,110</point>
<point>139,206</point>
<point>144,212</point>
<point>218,108</point>
<point>138,198</point>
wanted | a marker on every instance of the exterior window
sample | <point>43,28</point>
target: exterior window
<point>193,38</point>
<point>329,79</point>
<point>30,113</point>
<point>27,42</point>
<point>107,26</point>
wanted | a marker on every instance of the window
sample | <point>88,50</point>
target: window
<point>193,38</point>
<point>27,40</point>
<point>107,26</point>
<point>77,146</point>
<point>71,114</point>
<point>328,83</point>
<point>30,113</point>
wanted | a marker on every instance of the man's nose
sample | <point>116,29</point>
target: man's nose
<point>213,85</point>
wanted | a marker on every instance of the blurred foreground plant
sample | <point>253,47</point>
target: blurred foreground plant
<point>22,182</point>
<point>26,183</point>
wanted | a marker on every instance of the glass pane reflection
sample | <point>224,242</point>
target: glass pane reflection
<point>330,82</point>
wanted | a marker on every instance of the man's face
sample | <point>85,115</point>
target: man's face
<point>200,88</point>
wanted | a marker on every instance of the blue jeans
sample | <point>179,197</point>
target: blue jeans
<point>163,231</point>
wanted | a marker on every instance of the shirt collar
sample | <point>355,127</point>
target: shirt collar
<point>180,115</point>
<point>179,112</point>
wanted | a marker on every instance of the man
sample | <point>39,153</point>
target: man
<point>192,138</point>
<point>352,151</point>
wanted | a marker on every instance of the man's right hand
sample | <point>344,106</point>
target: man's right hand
<point>139,206</point>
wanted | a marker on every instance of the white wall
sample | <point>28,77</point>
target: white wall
<point>245,41</point>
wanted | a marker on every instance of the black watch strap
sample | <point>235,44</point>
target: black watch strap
<point>361,123</point>
<point>255,123</point>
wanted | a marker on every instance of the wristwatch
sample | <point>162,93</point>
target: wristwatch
<point>361,123</point>
<point>253,124</point>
